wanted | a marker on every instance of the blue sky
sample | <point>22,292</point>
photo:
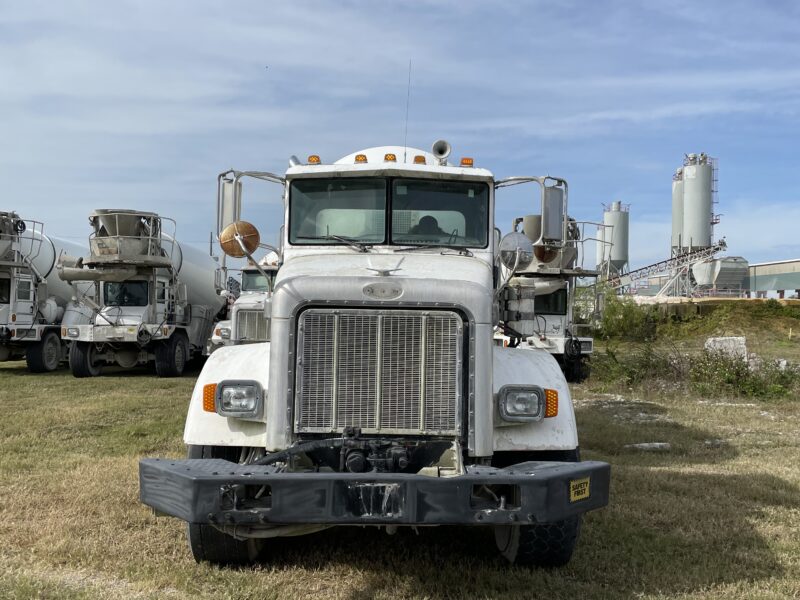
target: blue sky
<point>141,104</point>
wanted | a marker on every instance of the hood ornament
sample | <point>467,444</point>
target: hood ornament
<point>386,272</point>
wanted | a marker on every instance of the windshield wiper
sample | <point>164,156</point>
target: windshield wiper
<point>461,250</point>
<point>354,244</point>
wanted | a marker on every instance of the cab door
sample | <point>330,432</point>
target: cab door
<point>24,300</point>
<point>162,301</point>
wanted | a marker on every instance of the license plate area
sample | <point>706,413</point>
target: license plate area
<point>380,500</point>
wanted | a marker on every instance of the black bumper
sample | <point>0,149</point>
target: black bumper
<point>218,491</point>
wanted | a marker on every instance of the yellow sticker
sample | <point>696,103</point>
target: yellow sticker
<point>578,489</point>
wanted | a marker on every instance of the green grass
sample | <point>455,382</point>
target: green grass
<point>716,517</point>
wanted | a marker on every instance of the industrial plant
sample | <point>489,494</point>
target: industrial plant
<point>692,267</point>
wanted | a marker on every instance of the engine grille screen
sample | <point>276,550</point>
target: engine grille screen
<point>252,325</point>
<point>390,371</point>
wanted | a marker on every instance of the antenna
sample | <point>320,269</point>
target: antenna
<point>408,102</point>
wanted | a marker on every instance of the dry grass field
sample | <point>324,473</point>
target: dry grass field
<point>718,516</point>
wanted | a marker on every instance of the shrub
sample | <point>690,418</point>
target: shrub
<point>711,374</point>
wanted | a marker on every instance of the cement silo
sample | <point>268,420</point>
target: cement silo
<point>616,219</point>
<point>698,185</point>
<point>677,211</point>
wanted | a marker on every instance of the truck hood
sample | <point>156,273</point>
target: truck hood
<point>251,301</point>
<point>404,279</point>
<point>400,265</point>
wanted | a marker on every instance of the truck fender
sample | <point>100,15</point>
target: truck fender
<point>248,362</point>
<point>513,366</point>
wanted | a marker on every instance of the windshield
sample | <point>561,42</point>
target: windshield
<point>126,293</point>
<point>5,291</point>
<point>455,213</point>
<point>551,304</point>
<point>349,208</point>
<point>253,281</point>
<point>422,212</point>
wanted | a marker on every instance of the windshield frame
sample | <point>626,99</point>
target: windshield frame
<point>388,241</point>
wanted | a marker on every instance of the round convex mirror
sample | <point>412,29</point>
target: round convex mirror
<point>516,250</point>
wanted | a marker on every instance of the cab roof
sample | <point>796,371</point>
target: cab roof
<point>376,164</point>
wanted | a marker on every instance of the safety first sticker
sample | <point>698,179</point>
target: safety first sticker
<point>578,489</point>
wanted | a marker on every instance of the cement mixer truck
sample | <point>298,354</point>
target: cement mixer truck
<point>381,398</point>
<point>34,302</point>
<point>157,300</point>
<point>537,306</point>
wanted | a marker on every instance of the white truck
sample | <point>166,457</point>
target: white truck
<point>537,305</point>
<point>381,398</point>
<point>157,300</point>
<point>249,313</point>
<point>34,302</point>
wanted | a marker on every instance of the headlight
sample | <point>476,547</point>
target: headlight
<point>239,399</point>
<point>224,333</point>
<point>72,332</point>
<point>521,403</point>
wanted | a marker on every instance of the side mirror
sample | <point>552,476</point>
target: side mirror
<point>553,214</point>
<point>516,251</point>
<point>229,204</point>
<point>239,239</point>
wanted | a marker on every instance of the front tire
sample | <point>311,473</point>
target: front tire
<point>542,545</point>
<point>209,544</point>
<point>82,360</point>
<point>172,355</point>
<point>44,355</point>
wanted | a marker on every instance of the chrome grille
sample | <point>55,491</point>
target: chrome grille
<point>251,326</point>
<point>389,371</point>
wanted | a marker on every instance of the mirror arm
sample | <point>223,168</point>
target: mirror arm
<point>240,241</point>
<point>509,275</point>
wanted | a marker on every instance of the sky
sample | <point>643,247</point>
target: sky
<point>141,104</point>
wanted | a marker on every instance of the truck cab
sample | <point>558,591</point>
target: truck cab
<point>249,313</point>
<point>380,398</point>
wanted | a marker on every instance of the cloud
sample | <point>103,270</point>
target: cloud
<point>141,104</point>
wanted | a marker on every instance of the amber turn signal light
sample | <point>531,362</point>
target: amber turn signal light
<point>209,397</point>
<point>551,403</point>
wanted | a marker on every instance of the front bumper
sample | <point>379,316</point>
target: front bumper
<point>218,491</point>
<point>120,334</point>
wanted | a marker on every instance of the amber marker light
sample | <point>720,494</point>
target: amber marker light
<point>389,157</point>
<point>467,162</point>
<point>419,159</point>
<point>361,158</point>
<point>313,159</point>
<point>209,397</point>
<point>551,403</point>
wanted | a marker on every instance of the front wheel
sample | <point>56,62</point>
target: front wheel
<point>209,544</point>
<point>44,356</point>
<point>542,545</point>
<point>82,361</point>
<point>172,355</point>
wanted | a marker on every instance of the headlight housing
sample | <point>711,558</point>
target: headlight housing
<point>225,333</point>
<point>521,403</point>
<point>72,332</point>
<point>239,398</point>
